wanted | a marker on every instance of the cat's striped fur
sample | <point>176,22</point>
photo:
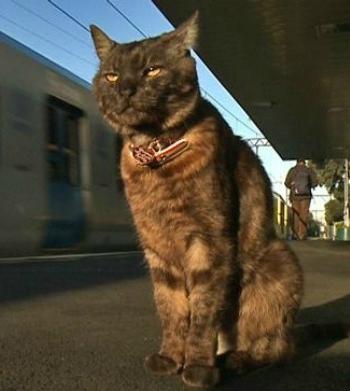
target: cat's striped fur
<point>222,280</point>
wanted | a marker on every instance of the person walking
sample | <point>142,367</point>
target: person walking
<point>300,180</point>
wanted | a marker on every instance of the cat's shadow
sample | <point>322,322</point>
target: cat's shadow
<point>313,368</point>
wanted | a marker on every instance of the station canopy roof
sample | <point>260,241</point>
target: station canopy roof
<point>287,62</point>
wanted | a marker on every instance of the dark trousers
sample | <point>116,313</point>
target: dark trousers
<point>300,216</point>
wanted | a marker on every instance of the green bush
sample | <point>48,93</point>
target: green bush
<point>334,211</point>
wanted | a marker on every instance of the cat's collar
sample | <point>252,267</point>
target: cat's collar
<point>158,152</point>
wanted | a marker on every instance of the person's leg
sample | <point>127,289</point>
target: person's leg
<point>304,217</point>
<point>296,217</point>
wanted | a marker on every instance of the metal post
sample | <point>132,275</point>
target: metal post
<point>258,142</point>
<point>346,194</point>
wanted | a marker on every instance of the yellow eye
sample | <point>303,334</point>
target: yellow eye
<point>153,71</point>
<point>111,77</point>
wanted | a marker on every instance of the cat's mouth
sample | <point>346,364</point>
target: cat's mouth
<point>122,107</point>
<point>133,117</point>
<point>127,112</point>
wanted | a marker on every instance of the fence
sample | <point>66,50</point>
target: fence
<point>282,218</point>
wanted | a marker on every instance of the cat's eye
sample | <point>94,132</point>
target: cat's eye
<point>152,71</point>
<point>111,77</point>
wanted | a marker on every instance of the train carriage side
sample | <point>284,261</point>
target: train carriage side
<point>59,183</point>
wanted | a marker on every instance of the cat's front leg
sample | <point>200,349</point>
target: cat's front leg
<point>173,309</point>
<point>208,277</point>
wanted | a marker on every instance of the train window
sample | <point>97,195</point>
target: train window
<point>63,125</point>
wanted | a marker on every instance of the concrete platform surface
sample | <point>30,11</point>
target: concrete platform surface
<point>86,325</point>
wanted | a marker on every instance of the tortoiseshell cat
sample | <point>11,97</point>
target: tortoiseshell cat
<point>202,205</point>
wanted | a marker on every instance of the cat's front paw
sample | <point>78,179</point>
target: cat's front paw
<point>201,376</point>
<point>161,365</point>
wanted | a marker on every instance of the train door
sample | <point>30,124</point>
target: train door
<point>66,213</point>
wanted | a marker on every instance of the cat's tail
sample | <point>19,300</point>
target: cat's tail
<point>314,332</point>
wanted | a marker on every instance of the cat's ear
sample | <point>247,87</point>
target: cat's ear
<point>187,32</point>
<point>103,43</point>
<point>185,36</point>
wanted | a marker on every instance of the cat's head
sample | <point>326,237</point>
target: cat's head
<point>149,83</point>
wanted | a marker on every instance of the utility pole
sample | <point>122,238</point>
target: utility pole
<point>346,194</point>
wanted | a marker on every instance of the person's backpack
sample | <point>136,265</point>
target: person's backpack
<point>301,182</point>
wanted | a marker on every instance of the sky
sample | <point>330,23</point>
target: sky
<point>39,25</point>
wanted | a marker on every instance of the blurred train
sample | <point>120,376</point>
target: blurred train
<point>60,185</point>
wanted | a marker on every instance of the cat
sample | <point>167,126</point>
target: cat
<point>224,284</point>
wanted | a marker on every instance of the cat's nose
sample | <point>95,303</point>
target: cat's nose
<point>126,88</point>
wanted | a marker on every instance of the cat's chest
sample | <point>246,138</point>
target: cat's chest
<point>171,202</point>
<point>164,209</point>
<point>159,197</point>
<point>151,192</point>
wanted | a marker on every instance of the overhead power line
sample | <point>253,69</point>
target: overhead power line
<point>69,15</point>
<point>50,23</point>
<point>126,18</point>
<point>229,112</point>
<point>45,39</point>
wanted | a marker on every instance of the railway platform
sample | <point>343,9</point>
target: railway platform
<point>85,324</point>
